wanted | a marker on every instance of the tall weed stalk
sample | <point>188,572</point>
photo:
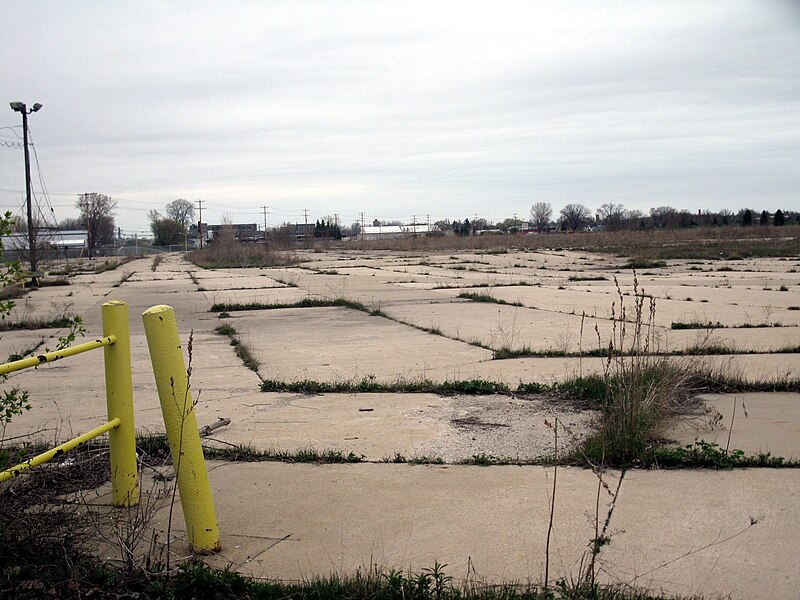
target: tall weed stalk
<point>639,388</point>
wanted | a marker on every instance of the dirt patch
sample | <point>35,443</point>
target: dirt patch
<point>504,428</point>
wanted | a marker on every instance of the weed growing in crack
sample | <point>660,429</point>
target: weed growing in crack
<point>486,298</point>
<point>242,350</point>
<point>637,390</point>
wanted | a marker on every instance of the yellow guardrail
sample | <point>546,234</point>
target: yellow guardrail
<point>40,359</point>
<point>58,450</point>
<point>172,381</point>
<point>119,404</point>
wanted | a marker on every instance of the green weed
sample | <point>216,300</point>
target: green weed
<point>371,385</point>
<point>644,263</point>
<point>486,298</point>
<point>57,323</point>
<point>244,453</point>
<point>702,454</point>
<point>587,278</point>
<point>304,303</point>
<point>242,350</point>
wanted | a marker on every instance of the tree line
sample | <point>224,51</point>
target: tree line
<point>615,217</point>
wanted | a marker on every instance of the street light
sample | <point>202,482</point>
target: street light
<point>21,108</point>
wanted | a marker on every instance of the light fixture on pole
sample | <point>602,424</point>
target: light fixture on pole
<point>21,108</point>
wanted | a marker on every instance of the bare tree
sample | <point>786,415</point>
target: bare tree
<point>575,215</point>
<point>182,211</point>
<point>613,216</point>
<point>541,213</point>
<point>96,212</point>
<point>71,223</point>
<point>635,218</point>
<point>663,216</point>
<point>725,216</point>
<point>42,235</point>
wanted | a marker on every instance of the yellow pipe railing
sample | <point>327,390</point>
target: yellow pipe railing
<point>119,404</point>
<point>58,450</point>
<point>40,359</point>
<point>172,381</point>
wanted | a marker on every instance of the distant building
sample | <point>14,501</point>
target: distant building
<point>302,230</point>
<point>194,229</point>
<point>73,238</point>
<point>382,232</point>
<point>49,243</point>
<point>244,232</point>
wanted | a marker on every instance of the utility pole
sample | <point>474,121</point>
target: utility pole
<point>21,108</point>
<point>84,205</point>
<point>305,231</point>
<point>200,222</point>
<point>362,226</point>
<point>266,211</point>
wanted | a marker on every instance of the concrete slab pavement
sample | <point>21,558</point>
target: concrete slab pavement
<point>340,344</point>
<point>706,532</point>
<point>294,521</point>
<point>379,426</point>
<point>268,295</point>
<point>720,533</point>
<point>763,422</point>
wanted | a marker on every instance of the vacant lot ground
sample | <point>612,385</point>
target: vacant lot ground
<point>510,318</point>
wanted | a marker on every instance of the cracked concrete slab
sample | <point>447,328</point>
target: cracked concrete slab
<point>684,531</point>
<point>757,423</point>
<point>300,520</point>
<point>707,532</point>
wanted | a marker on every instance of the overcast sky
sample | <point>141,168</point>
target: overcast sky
<point>396,109</point>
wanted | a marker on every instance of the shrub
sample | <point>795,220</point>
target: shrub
<point>227,252</point>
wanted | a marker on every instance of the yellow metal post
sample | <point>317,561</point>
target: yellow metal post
<point>172,382</point>
<point>119,402</point>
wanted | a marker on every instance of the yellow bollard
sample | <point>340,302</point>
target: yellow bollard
<point>119,402</point>
<point>172,382</point>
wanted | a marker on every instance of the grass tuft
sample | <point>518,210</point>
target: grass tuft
<point>644,263</point>
<point>486,298</point>
<point>587,278</point>
<point>304,303</point>
<point>106,265</point>
<point>702,454</point>
<point>370,385</point>
<point>242,350</point>
<point>244,453</point>
<point>57,323</point>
